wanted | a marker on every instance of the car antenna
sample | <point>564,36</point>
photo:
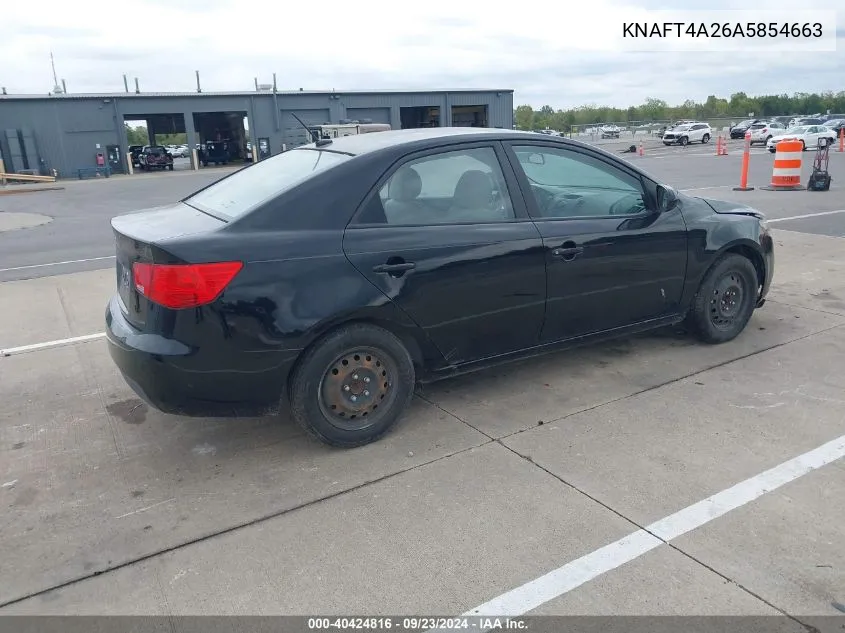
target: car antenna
<point>319,142</point>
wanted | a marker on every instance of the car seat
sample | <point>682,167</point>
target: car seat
<point>402,205</point>
<point>474,198</point>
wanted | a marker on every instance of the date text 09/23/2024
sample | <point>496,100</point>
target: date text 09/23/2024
<point>751,30</point>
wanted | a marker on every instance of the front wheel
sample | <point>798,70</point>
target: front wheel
<point>725,300</point>
<point>684,140</point>
<point>352,386</point>
<point>705,138</point>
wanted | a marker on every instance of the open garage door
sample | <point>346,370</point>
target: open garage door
<point>293,133</point>
<point>469,116</point>
<point>369,115</point>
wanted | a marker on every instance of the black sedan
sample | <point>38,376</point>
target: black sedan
<point>333,277</point>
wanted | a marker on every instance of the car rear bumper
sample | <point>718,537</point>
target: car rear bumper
<point>176,378</point>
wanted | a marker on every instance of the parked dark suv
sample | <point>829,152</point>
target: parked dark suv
<point>135,152</point>
<point>739,130</point>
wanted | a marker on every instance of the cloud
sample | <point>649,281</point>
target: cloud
<point>549,52</point>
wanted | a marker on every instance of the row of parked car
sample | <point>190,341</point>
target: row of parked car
<point>811,131</point>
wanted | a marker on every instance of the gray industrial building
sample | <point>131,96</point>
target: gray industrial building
<point>66,132</point>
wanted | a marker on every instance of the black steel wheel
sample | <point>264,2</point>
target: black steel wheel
<point>352,386</point>
<point>355,386</point>
<point>725,300</point>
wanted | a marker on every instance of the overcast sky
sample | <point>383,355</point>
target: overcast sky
<point>544,50</point>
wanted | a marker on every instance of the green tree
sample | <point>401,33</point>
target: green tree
<point>737,106</point>
<point>524,117</point>
<point>136,135</point>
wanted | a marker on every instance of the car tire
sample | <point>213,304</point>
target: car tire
<point>170,167</point>
<point>803,146</point>
<point>725,300</point>
<point>666,144</point>
<point>683,141</point>
<point>705,139</point>
<point>342,366</point>
<point>768,138</point>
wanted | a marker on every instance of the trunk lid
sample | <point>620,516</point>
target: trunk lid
<point>139,237</point>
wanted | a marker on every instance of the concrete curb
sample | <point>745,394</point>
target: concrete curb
<point>10,192</point>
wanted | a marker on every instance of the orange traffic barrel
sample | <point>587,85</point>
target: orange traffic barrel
<point>786,173</point>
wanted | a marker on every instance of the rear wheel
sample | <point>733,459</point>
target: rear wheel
<point>725,300</point>
<point>352,386</point>
<point>705,138</point>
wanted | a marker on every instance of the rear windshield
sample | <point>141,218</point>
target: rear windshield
<point>252,186</point>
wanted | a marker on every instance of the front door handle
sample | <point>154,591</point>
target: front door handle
<point>394,268</point>
<point>568,251</point>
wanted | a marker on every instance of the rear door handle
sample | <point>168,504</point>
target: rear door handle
<point>394,268</point>
<point>568,253</point>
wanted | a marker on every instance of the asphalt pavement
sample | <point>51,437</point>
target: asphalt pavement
<point>647,476</point>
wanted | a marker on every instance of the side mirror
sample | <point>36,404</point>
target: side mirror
<point>667,198</point>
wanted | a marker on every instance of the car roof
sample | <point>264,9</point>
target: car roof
<point>419,138</point>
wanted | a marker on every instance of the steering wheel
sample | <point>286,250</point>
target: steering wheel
<point>544,199</point>
<point>628,205</point>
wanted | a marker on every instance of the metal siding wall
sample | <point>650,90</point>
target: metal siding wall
<point>377,115</point>
<point>40,117</point>
<point>66,129</point>
<point>292,132</point>
<point>265,123</point>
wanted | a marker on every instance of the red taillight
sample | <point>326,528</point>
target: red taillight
<point>180,286</point>
<point>765,129</point>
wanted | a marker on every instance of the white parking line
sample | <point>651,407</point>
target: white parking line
<point>35,347</point>
<point>806,215</point>
<point>522,599</point>
<point>70,261</point>
<point>708,188</point>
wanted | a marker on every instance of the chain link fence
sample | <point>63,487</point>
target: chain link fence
<point>639,130</point>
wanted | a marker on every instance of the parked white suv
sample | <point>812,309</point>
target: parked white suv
<point>762,132</point>
<point>688,133</point>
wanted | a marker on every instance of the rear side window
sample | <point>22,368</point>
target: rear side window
<point>249,188</point>
<point>451,187</point>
